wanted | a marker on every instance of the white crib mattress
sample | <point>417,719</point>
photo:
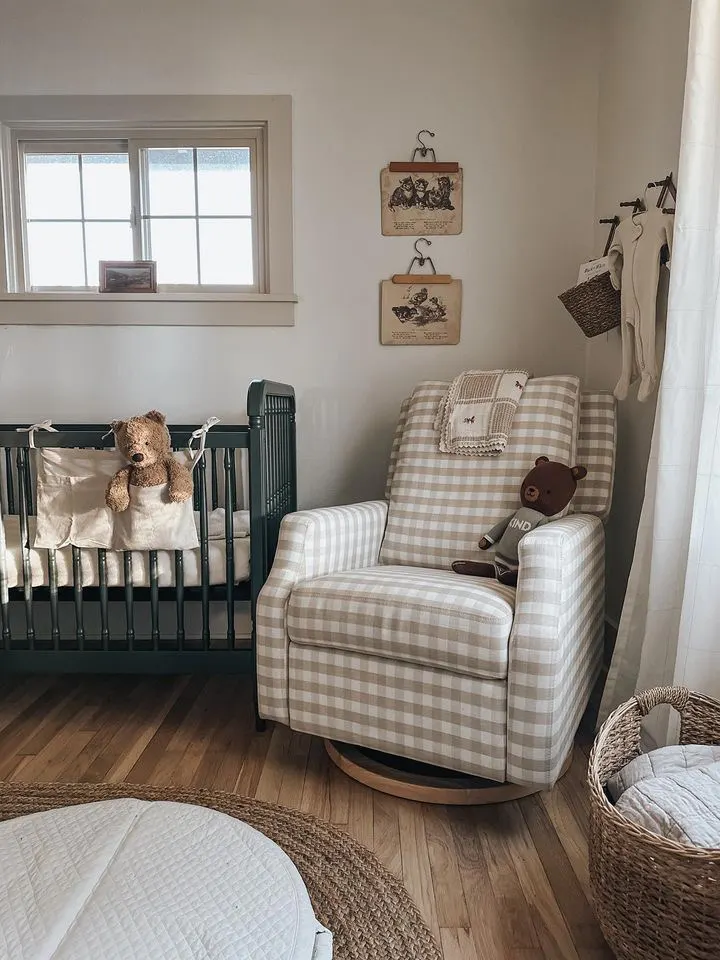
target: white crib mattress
<point>133,880</point>
<point>115,561</point>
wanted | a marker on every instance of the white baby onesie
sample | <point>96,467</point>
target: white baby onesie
<point>634,260</point>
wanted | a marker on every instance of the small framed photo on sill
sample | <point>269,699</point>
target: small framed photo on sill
<point>128,276</point>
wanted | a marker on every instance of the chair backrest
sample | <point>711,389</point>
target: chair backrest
<point>440,504</point>
<point>597,441</point>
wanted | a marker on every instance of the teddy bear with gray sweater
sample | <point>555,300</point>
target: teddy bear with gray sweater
<point>546,490</point>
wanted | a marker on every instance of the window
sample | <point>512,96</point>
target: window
<point>191,204</point>
<point>207,197</point>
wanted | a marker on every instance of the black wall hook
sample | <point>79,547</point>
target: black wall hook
<point>668,187</point>
<point>615,223</point>
<point>637,204</point>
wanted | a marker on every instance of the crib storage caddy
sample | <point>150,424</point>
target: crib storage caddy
<point>95,582</point>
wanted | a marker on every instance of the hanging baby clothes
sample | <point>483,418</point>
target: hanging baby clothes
<point>634,259</point>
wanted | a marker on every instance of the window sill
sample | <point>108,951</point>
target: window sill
<point>148,309</point>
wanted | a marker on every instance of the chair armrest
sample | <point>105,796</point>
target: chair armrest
<point>556,644</point>
<point>312,543</point>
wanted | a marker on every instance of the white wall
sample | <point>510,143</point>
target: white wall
<point>642,80</point>
<point>509,87</point>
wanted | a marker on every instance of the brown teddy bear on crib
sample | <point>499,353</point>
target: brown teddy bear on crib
<point>545,491</point>
<point>145,441</point>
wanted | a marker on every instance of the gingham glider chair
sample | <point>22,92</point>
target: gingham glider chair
<point>366,636</point>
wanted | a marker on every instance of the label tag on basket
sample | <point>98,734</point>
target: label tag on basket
<point>593,268</point>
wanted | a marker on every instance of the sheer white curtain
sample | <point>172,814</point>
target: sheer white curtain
<point>670,625</point>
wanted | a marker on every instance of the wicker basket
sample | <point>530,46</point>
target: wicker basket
<point>594,305</point>
<point>655,899</point>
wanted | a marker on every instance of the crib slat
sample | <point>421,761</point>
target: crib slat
<point>104,620</point>
<point>28,487</point>
<point>78,596</point>
<point>229,550</point>
<point>233,481</point>
<point>54,611</point>
<point>129,614</point>
<point>22,465</point>
<point>154,600</point>
<point>180,598</point>
<point>12,506</point>
<point>4,606</point>
<point>196,489</point>
<point>214,478</point>
<point>204,561</point>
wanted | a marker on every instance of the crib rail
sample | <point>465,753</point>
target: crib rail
<point>83,642</point>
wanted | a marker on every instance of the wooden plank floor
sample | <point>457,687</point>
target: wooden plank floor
<point>506,882</point>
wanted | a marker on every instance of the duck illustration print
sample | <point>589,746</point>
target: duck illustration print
<point>420,313</point>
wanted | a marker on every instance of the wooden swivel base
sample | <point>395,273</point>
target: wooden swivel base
<point>413,780</point>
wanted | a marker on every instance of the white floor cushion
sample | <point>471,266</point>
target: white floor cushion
<point>132,880</point>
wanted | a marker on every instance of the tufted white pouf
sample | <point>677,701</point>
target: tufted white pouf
<point>137,880</point>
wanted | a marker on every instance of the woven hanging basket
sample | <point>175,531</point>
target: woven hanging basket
<point>594,305</point>
<point>656,899</point>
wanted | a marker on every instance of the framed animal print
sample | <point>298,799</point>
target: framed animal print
<point>421,198</point>
<point>420,311</point>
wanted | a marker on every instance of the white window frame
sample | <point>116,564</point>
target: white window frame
<point>65,124</point>
<point>44,144</point>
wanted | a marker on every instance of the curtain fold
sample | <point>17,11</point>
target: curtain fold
<point>669,630</point>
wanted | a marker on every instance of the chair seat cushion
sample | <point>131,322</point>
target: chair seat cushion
<point>410,614</point>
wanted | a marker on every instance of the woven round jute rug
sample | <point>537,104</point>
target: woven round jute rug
<point>367,909</point>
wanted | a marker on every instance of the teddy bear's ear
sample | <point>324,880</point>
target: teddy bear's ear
<point>579,472</point>
<point>156,416</point>
<point>117,425</point>
<point>542,460</point>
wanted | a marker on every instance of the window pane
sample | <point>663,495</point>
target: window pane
<point>171,181</point>
<point>173,245</point>
<point>226,252</point>
<point>224,181</point>
<point>106,186</point>
<point>55,255</point>
<point>106,241</point>
<point>52,186</point>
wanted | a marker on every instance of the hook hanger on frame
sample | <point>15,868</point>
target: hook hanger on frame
<point>421,259</point>
<point>428,161</point>
<point>423,149</point>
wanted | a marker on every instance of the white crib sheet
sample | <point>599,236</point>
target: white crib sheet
<point>115,561</point>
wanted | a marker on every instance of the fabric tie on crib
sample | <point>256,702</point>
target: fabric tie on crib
<point>43,425</point>
<point>201,435</point>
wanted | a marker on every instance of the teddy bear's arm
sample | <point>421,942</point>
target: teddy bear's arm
<point>492,536</point>
<point>117,495</point>
<point>181,484</point>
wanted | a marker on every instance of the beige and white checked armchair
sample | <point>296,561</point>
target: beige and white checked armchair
<point>366,636</point>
